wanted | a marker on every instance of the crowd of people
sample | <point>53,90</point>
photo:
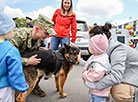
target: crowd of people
<point>110,70</point>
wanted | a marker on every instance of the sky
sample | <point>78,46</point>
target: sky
<point>92,11</point>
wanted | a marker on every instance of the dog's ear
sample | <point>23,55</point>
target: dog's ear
<point>67,46</point>
<point>77,49</point>
<point>62,51</point>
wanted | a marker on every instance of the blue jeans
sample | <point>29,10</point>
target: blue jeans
<point>55,41</point>
<point>97,98</point>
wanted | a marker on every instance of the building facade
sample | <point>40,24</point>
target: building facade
<point>132,26</point>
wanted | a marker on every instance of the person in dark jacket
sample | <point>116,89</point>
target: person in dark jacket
<point>64,19</point>
<point>29,23</point>
<point>14,19</point>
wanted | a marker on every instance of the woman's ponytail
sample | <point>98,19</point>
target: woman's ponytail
<point>106,29</point>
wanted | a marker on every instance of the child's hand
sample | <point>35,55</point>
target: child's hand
<point>23,94</point>
<point>72,44</point>
<point>83,80</point>
<point>83,71</point>
<point>79,56</point>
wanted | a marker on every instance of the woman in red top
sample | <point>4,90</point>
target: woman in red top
<point>64,20</point>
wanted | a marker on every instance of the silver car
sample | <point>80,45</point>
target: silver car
<point>82,37</point>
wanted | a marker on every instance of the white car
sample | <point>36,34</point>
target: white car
<point>82,38</point>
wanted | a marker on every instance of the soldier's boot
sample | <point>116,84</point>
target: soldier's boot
<point>38,91</point>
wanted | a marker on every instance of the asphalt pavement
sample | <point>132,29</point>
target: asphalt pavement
<point>74,87</point>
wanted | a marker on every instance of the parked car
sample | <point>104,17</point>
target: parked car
<point>82,38</point>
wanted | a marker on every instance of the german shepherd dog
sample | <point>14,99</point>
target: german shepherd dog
<point>58,63</point>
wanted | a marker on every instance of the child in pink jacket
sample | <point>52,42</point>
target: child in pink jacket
<point>96,66</point>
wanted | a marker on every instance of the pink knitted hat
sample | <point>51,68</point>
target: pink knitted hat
<point>99,43</point>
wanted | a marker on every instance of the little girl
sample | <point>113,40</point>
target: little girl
<point>96,67</point>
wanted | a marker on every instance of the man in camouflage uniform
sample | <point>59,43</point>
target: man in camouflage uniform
<point>29,40</point>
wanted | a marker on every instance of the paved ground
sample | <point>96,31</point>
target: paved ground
<point>74,86</point>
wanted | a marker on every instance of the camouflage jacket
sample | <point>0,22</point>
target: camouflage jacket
<point>23,42</point>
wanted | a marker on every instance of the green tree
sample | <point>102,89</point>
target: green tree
<point>90,27</point>
<point>21,22</point>
<point>33,21</point>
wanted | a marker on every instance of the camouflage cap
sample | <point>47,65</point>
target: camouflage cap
<point>47,24</point>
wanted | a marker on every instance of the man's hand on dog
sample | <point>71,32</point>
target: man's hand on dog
<point>33,60</point>
<point>42,48</point>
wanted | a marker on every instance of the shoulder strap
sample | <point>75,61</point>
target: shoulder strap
<point>98,63</point>
<point>90,65</point>
<point>111,53</point>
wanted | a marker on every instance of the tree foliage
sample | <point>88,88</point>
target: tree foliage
<point>20,22</point>
<point>90,27</point>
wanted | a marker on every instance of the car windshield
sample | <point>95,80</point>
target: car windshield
<point>81,27</point>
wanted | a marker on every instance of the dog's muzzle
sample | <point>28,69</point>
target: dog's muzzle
<point>71,60</point>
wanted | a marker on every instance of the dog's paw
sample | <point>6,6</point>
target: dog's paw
<point>57,88</point>
<point>39,92</point>
<point>64,95</point>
